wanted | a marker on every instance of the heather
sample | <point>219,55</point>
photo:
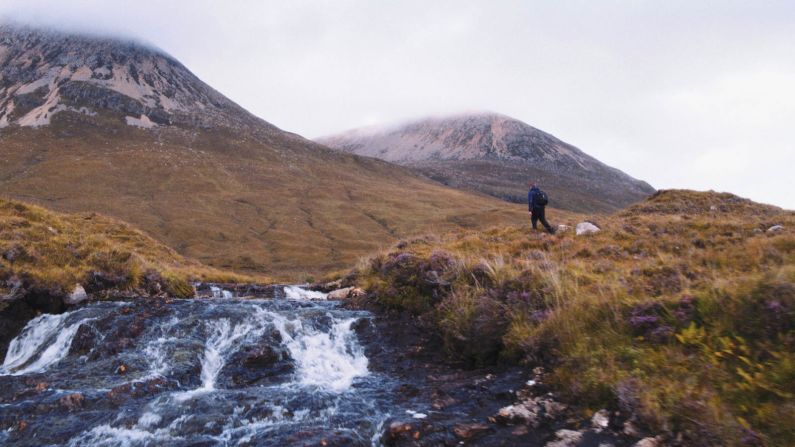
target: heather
<point>55,251</point>
<point>679,314</point>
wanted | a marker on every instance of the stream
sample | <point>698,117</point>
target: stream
<point>219,371</point>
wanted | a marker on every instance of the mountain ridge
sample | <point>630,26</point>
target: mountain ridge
<point>462,151</point>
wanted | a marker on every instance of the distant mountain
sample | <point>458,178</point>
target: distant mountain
<point>97,124</point>
<point>496,154</point>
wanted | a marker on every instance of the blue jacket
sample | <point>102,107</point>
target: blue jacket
<point>531,196</point>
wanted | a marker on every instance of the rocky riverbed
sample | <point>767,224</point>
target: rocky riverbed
<point>288,367</point>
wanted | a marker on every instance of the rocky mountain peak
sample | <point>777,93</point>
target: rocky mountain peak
<point>45,72</point>
<point>472,136</point>
<point>496,154</point>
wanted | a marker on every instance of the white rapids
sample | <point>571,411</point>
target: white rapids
<point>194,353</point>
<point>44,341</point>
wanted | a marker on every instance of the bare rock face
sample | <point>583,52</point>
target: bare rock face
<point>496,154</point>
<point>44,73</point>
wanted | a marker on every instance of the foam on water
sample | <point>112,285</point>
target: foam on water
<point>329,360</point>
<point>299,293</point>
<point>220,293</point>
<point>190,345</point>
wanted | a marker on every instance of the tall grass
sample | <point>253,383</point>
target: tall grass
<point>680,314</point>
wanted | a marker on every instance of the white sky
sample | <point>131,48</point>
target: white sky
<point>683,94</point>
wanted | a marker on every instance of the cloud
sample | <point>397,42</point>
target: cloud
<point>680,93</point>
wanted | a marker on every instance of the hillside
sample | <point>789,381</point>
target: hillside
<point>44,254</point>
<point>95,124</point>
<point>679,315</point>
<point>496,155</point>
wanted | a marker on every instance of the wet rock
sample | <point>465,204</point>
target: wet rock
<point>470,431</point>
<point>600,420</point>
<point>77,296</point>
<point>441,400</point>
<point>631,430</point>
<point>45,300</point>
<point>584,228</point>
<point>340,294</point>
<point>361,326</point>
<point>84,340</point>
<point>125,391</point>
<point>72,402</point>
<point>775,229</point>
<point>566,438</point>
<point>261,357</point>
<point>97,281</point>
<point>648,442</point>
<point>399,433</point>
<point>520,413</point>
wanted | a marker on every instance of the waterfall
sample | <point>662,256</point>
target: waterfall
<point>189,378</point>
<point>44,341</point>
<point>329,360</point>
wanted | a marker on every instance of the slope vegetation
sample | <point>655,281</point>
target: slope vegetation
<point>679,314</point>
<point>90,124</point>
<point>44,255</point>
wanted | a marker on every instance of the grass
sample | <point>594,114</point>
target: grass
<point>56,251</point>
<point>680,313</point>
<point>267,203</point>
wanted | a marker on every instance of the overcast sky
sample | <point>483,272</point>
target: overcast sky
<point>682,94</point>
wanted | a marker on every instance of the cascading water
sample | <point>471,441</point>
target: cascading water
<point>210,372</point>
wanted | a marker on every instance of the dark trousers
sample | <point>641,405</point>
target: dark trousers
<point>539,214</point>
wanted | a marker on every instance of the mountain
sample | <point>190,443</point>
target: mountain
<point>98,124</point>
<point>496,155</point>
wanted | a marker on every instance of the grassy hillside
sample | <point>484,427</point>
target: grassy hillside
<point>507,180</point>
<point>680,313</point>
<point>56,251</point>
<point>267,204</point>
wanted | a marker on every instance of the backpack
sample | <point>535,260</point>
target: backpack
<point>541,199</point>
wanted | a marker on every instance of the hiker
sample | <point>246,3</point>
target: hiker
<point>537,202</point>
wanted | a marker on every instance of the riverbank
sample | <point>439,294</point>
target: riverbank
<point>677,313</point>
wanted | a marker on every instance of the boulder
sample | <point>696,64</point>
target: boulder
<point>584,228</point>
<point>600,420</point>
<point>566,438</point>
<point>469,431</point>
<point>77,296</point>
<point>261,357</point>
<point>340,294</point>
<point>72,401</point>
<point>519,413</point>
<point>630,429</point>
<point>775,229</point>
<point>648,442</point>
<point>562,228</point>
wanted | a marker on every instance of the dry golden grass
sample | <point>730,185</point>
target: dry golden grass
<point>263,204</point>
<point>57,251</point>
<point>680,312</point>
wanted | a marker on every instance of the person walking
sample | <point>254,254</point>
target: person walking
<point>537,203</point>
